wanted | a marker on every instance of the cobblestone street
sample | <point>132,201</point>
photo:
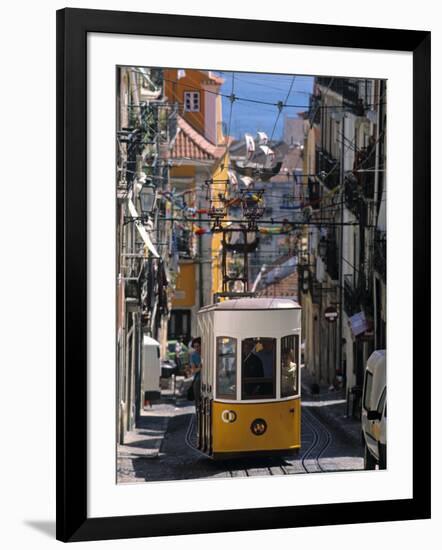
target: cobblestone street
<point>164,447</point>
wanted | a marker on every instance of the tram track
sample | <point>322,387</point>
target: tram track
<point>322,439</point>
<point>309,461</point>
<point>244,472</point>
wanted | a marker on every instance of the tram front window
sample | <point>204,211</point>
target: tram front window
<point>289,365</point>
<point>258,368</point>
<point>226,367</point>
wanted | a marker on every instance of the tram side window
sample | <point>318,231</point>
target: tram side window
<point>289,365</point>
<point>226,367</point>
<point>258,368</point>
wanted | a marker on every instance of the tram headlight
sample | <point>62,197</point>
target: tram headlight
<point>228,416</point>
<point>259,426</point>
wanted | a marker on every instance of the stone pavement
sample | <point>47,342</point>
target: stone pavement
<point>144,442</point>
<point>331,405</point>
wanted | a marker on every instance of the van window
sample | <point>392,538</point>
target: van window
<point>258,358</point>
<point>289,365</point>
<point>380,407</point>
<point>367,389</point>
<point>226,367</point>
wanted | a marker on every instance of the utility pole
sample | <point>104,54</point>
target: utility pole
<point>341,251</point>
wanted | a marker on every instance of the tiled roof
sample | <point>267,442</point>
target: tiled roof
<point>286,287</point>
<point>192,145</point>
<point>292,160</point>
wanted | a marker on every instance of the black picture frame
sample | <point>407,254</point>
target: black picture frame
<point>73,25</point>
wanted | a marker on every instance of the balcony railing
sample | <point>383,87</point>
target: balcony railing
<point>331,259</point>
<point>353,196</point>
<point>364,171</point>
<point>314,193</point>
<point>380,254</point>
<point>345,87</point>
<point>314,112</point>
<point>185,246</point>
<point>351,296</point>
<point>327,164</point>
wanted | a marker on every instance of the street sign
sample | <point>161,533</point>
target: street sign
<point>331,314</point>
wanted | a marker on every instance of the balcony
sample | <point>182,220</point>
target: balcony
<point>314,111</point>
<point>331,259</point>
<point>184,244</point>
<point>314,193</point>
<point>347,88</point>
<point>380,254</point>
<point>326,163</point>
<point>365,161</point>
<point>158,122</point>
<point>353,196</point>
<point>351,296</point>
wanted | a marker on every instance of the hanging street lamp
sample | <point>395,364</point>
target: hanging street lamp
<point>148,196</point>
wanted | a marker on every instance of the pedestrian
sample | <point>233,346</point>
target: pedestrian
<point>187,369</point>
<point>195,368</point>
<point>178,350</point>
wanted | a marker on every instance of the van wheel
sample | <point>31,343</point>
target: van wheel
<point>369,461</point>
<point>382,456</point>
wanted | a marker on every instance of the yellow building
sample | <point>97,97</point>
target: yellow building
<point>197,155</point>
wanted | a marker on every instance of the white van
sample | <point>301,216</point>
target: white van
<point>374,412</point>
<point>151,371</point>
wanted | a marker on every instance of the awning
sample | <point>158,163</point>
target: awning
<point>142,230</point>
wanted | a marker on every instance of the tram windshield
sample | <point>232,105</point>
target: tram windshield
<point>289,365</point>
<point>226,367</point>
<point>258,368</point>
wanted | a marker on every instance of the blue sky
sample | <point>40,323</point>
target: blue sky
<point>251,117</point>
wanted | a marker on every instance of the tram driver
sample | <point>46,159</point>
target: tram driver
<point>259,367</point>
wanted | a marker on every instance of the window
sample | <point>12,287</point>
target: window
<point>367,390</point>
<point>381,403</point>
<point>226,367</point>
<point>179,325</point>
<point>192,101</point>
<point>289,365</point>
<point>258,368</point>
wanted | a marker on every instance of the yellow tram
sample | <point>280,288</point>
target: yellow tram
<point>250,381</point>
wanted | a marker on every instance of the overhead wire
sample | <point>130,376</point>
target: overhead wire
<point>348,145</point>
<point>270,103</point>
<point>281,106</point>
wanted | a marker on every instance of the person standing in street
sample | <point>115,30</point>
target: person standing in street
<point>195,368</point>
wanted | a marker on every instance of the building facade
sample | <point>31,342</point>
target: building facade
<point>146,125</point>
<point>342,263</point>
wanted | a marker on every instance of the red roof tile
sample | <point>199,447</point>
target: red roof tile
<point>286,287</point>
<point>191,144</point>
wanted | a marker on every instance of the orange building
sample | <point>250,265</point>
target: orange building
<point>198,154</point>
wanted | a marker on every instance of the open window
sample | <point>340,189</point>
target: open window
<point>289,365</point>
<point>258,368</point>
<point>226,367</point>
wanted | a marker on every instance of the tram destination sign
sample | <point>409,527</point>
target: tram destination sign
<point>331,314</point>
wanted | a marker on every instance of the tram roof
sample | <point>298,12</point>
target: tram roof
<point>252,303</point>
